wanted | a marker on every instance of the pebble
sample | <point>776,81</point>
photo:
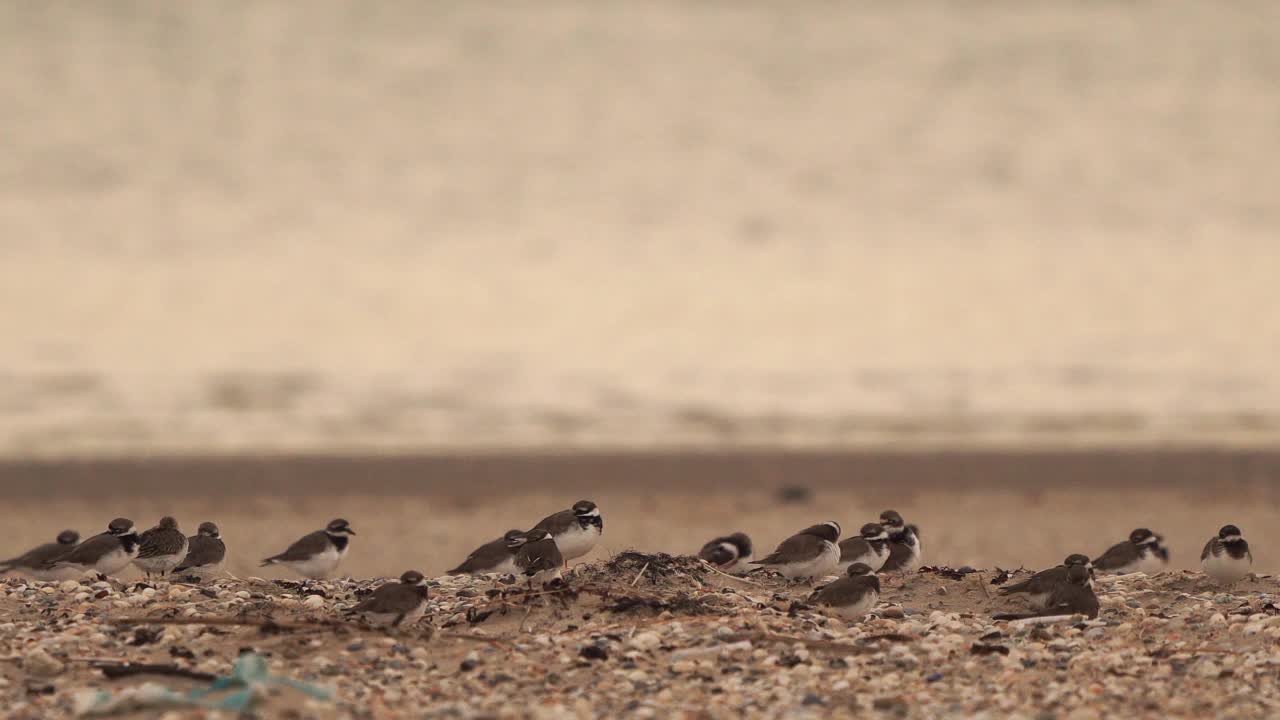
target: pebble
<point>41,664</point>
<point>647,640</point>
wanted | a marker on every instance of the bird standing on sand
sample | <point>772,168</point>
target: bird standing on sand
<point>853,595</point>
<point>539,558</point>
<point>1144,551</point>
<point>396,603</point>
<point>904,552</point>
<point>105,553</point>
<point>1039,588</point>
<point>1226,557</point>
<point>316,554</point>
<point>496,557</point>
<point>904,544</point>
<point>33,562</point>
<point>730,554</point>
<point>869,547</point>
<point>576,530</point>
<point>205,551</point>
<point>810,553</point>
<point>161,548</point>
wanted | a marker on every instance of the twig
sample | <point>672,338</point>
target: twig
<point>710,650</point>
<point>497,642</point>
<point>639,574</point>
<point>814,644</point>
<point>982,584</point>
<point>718,571</point>
<point>260,623</point>
<point>114,670</point>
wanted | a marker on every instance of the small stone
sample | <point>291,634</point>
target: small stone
<point>68,586</point>
<point>645,641</point>
<point>594,652</point>
<point>313,602</point>
<point>1208,669</point>
<point>42,664</point>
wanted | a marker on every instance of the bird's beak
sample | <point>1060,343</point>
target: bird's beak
<point>350,531</point>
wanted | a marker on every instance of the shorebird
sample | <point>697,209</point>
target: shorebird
<point>1226,557</point>
<point>904,544</point>
<point>496,557</point>
<point>396,603</point>
<point>869,547</point>
<point>904,552</point>
<point>730,554</point>
<point>1073,597</point>
<point>316,554</point>
<point>105,553</point>
<point>539,558</point>
<point>853,595</point>
<point>810,553</point>
<point>576,530</point>
<point>205,551</point>
<point>34,562</point>
<point>1040,587</point>
<point>1144,551</point>
<point>161,548</point>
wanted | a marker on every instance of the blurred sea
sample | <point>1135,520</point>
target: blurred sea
<point>245,226</point>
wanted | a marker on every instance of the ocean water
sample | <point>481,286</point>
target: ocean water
<point>260,227</point>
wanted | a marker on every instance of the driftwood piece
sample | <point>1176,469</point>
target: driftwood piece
<point>115,670</point>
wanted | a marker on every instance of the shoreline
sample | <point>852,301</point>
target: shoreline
<point>1183,468</point>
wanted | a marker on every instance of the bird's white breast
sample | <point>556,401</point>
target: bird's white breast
<point>319,565</point>
<point>1224,568</point>
<point>577,540</point>
<point>114,561</point>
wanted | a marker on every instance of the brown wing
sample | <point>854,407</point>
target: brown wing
<point>1042,582</point>
<point>484,557</point>
<point>202,551</point>
<point>160,541</point>
<point>36,557</point>
<point>91,550</point>
<point>899,554</point>
<point>797,548</point>
<point>854,547</point>
<point>309,545</point>
<point>537,556</point>
<point>1208,549</point>
<point>1116,556</point>
<point>846,590</point>
<point>393,597</point>
<point>557,523</point>
<point>1073,599</point>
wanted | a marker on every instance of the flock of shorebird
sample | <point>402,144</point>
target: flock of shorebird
<point>890,546</point>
